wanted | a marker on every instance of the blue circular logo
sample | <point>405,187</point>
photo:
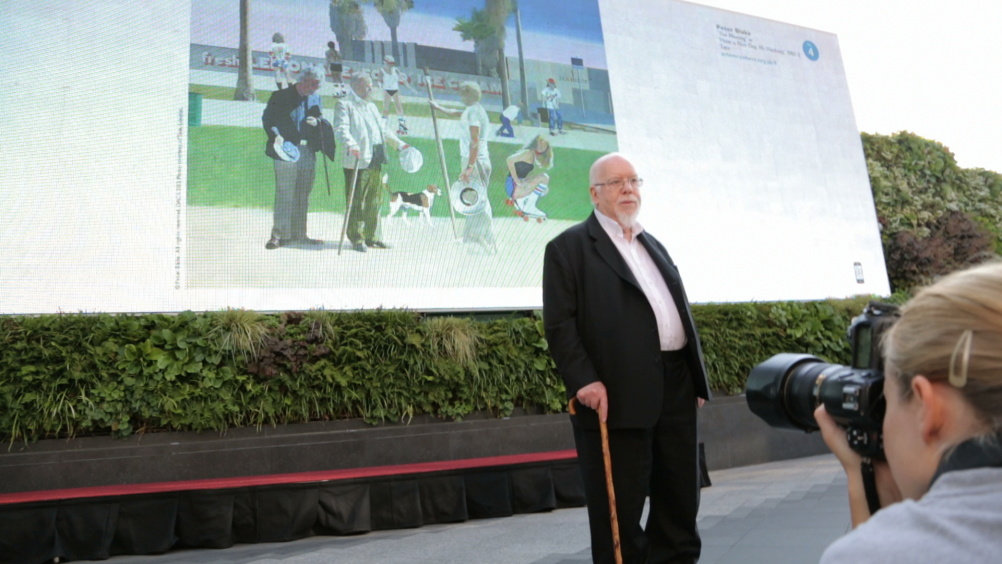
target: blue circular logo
<point>811,50</point>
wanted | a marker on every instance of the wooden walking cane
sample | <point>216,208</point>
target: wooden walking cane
<point>323,157</point>
<point>347,210</point>
<point>609,488</point>
<point>441,151</point>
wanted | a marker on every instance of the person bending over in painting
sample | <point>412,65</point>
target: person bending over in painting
<point>509,115</point>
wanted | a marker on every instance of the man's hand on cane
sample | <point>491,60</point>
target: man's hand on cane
<point>595,397</point>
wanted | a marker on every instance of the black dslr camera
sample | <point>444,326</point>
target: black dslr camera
<point>786,389</point>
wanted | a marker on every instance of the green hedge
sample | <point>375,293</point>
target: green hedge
<point>67,375</point>
<point>934,216</point>
<point>736,337</point>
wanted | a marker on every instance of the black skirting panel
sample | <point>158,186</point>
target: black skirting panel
<point>97,528</point>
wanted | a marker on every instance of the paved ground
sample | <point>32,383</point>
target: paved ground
<point>778,513</point>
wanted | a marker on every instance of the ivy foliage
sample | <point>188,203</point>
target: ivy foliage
<point>736,337</point>
<point>935,216</point>
<point>68,375</point>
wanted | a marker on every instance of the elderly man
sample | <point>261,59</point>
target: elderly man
<point>292,116</point>
<point>620,330</point>
<point>359,129</point>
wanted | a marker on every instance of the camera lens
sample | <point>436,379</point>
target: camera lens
<point>784,390</point>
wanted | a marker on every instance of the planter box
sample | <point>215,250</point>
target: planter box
<point>93,497</point>
<point>732,436</point>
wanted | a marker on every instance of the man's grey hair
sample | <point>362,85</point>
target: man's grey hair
<point>313,72</point>
<point>359,77</point>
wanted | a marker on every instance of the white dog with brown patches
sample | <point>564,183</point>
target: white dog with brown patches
<point>420,202</point>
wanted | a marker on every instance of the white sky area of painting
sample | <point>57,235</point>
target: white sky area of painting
<point>931,68</point>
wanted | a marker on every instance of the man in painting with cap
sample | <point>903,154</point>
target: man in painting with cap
<point>551,101</point>
<point>361,132</point>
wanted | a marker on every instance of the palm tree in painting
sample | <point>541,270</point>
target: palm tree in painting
<point>391,11</point>
<point>498,12</point>
<point>245,79</point>
<point>478,30</point>
<point>348,24</point>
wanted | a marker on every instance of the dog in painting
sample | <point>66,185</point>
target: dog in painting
<point>420,202</point>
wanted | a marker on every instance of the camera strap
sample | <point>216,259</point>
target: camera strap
<point>980,452</point>
<point>870,485</point>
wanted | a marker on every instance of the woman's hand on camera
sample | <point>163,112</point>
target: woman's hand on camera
<point>852,461</point>
<point>836,440</point>
<point>859,510</point>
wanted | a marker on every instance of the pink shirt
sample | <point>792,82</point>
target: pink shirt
<point>670,330</point>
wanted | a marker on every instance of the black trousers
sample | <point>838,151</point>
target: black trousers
<point>661,462</point>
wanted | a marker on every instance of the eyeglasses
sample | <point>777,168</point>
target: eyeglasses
<point>618,183</point>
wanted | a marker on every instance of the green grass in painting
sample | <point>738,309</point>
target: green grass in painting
<point>227,167</point>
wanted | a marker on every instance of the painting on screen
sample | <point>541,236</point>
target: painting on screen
<point>526,87</point>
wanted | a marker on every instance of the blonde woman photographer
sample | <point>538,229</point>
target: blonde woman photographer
<point>941,487</point>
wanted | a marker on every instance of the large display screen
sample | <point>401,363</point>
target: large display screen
<point>139,177</point>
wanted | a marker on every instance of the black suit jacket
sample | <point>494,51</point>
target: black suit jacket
<point>601,327</point>
<point>278,114</point>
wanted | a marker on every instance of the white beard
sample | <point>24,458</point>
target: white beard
<point>626,220</point>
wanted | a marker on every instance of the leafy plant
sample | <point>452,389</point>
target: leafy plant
<point>65,375</point>
<point>935,216</point>
<point>954,241</point>
<point>736,337</point>
<point>455,338</point>
<point>240,331</point>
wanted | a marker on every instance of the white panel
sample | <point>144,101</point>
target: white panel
<point>755,175</point>
<point>756,180</point>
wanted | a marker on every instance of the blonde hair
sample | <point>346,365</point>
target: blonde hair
<point>470,87</point>
<point>545,158</point>
<point>951,332</point>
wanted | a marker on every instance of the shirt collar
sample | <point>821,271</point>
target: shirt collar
<point>612,227</point>
<point>979,452</point>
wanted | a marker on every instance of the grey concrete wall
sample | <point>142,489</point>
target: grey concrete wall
<point>731,434</point>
